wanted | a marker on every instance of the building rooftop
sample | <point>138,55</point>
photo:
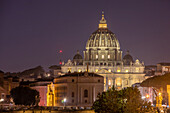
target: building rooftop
<point>81,74</point>
<point>164,64</point>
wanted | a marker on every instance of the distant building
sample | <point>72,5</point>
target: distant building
<point>75,90</point>
<point>2,94</point>
<point>41,86</point>
<point>104,57</point>
<point>150,70</point>
<point>147,93</point>
<point>162,68</point>
<point>6,84</point>
<point>55,70</point>
<point>10,83</point>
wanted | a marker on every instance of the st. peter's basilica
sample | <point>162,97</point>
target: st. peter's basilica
<point>104,57</point>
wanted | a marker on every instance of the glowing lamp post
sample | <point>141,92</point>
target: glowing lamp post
<point>64,101</point>
<point>147,96</point>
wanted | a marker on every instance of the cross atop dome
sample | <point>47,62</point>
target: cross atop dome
<point>102,23</point>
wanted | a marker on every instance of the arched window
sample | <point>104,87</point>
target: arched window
<point>72,94</point>
<point>85,93</point>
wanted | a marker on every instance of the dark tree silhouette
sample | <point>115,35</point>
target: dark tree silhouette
<point>25,96</point>
<point>127,100</point>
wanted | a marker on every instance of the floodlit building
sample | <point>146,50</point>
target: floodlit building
<point>104,57</point>
<point>75,90</point>
<point>147,93</point>
<point>41,85</point>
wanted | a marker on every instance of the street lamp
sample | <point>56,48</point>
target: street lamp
<point>147,96</point>
<point>64,101</point>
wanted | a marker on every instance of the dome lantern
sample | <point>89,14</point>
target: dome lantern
<point>102,23</point>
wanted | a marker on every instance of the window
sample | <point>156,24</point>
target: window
<point>97,70</point>
<point>97,56</point>
<point>108,56</point>
<point>73,101</point>
<point>109,82</point>
<point>108,42</point>
<point>85,93</point>
<point>72,94</point>
<point>137,69</point>
<point>118,70</point>
<point>126,82</point>
<point>102,42</point>
<point>118,64</point>
<point>102,56</point>
<point>79,70</point>
<point>97,42</point>
<point>99,80</point>
<point>85,101</point>
<point>118,82</point>
<point>72,80</point>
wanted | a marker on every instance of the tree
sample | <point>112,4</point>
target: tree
<point>25,96</point>
<point>127,100</point>
<point>107,102</point>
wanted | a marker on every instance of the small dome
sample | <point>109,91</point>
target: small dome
<point>127,58</point>
<point>77,56</point>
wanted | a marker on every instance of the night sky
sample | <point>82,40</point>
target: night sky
<point>33,31</point>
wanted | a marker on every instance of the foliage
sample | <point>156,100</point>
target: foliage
<point>127,100</point>
<point>107,101</point>
<point>25,96</point>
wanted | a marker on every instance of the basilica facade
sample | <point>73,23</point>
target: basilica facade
<point>104,57</point>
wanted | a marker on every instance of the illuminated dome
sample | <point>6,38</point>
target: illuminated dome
<point>127,59</point>
<point>103,37</point>
<point>103,47</point>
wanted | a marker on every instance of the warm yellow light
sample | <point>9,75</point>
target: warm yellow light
<point>69,70</point>
<point>102,25</point>
<point>118,70</point>
<point>102,56</point>
<point>97,70</point>
<point>108,56</point>
<point>96,56</point>
<point>109,82</point>
<point>147,96</point>
<point>109,70</point>
<point>159,93</point>
<point>88,70</point>
<point>118,82</point>
<point>137,69</point>
<point>79,70</point>
<point>127,70</point>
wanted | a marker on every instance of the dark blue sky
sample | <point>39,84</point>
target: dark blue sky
<point>32,31</point>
